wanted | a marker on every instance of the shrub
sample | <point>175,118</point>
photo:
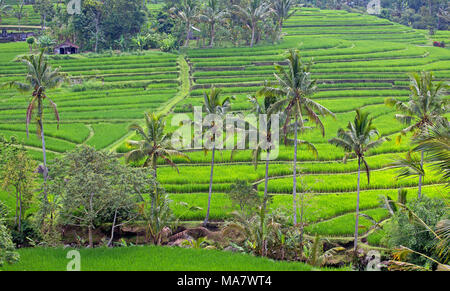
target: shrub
<point>404,231</point>
<point>7,250</point>
<point>244,196</point>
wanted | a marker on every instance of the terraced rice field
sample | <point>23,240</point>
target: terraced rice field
<point>359,61</point>
<point>30,17</point>
<point>115,91</point>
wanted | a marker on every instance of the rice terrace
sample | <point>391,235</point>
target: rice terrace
<point>353,175</point>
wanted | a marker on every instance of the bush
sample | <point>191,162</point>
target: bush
<point>7,250</point>
<point>404,231</point>
<point>244,196</point>
<point>22,238</point>
<point>169,43</point>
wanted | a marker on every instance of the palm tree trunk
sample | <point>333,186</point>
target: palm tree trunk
<point>97,30</point>
<point>266,180</point>
<point>213,35</point>
<point>155,168</point>
<point>155,175</point>
<point>420,176</point>
<point>41,125</point>
<point>188,32</point>
<point>253,35</point>
<point>280,28</point>
<point>210,185</point>
<point>294,194</point>
<point>355,244</point>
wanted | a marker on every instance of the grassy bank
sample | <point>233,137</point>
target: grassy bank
<point>150,258</point>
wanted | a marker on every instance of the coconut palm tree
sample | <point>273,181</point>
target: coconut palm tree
<point>266,137</point>
<point>424,108</point>
<point>266,142</point>
<point>294,86</point>
<point>409,166</point>
<point>19,13</point>
<point>5,9</point>
<point>155,144</point>
<point>282,11</point>
<point>256,11</point>
<point>214,104</point>
<point>212,15</point>
<point>356,141</point>
<point>40,78</point>
<point>187,13</point>
<point>436,143</point>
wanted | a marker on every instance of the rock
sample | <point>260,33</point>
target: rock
<point>179,242</point>
<point>231,249</point>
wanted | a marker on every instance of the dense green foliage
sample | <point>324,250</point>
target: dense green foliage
<point>357,61</point>
<point>404,230</point>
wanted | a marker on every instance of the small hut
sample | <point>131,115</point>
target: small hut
<point>66,48</point>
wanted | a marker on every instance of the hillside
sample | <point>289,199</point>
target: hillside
<point>359,61</point>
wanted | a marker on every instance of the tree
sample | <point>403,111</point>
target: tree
<point>18,175</point>
<point>187,13</point>
<point>158,216</point>
<point>256,11</point>
<point>214,104</point>
<point>212,14</point>
<point>282,10</point>
<point>7,249</point>
<point>30,41</point>
<point>45,9</point>
<point>244,196</point>
<point>155,144</point>
<point>356,141</point>
<point>94,188</point>
<point>105,22</point>
<point>425,107</point>
<point>19,13</point>
<point>40,78</point>
<point>294,86</point>
<point>436,143</point>
<point>46,42</point>
<point>416,227</point>
<point>5,9</point>
<point>410,166</point>
<point>95,9</point>
<point>267,143</point>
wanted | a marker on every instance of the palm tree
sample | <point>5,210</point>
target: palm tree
<point>266,142</point>
<point>40,78</point>
<point>410,166</point>
<point>46,42</point>
<point>256,11</point>
<point>187,12</point>
<point>282,10</point>
<point>424,108</point>
<point>5,9</point>
<point>213,104</point>
<point>19,13</point>
<point>294,87</point>
<point>436,143</point>
<point>212,15</point>
<point>155,144</point>
<point>356,141</point>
